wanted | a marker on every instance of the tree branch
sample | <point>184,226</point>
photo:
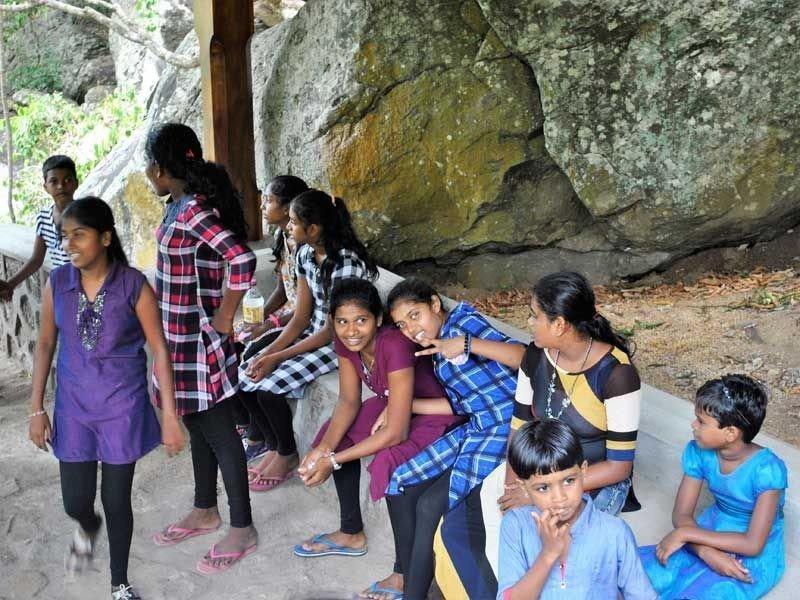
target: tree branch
<point>123,24</point>
<point>7,120</point>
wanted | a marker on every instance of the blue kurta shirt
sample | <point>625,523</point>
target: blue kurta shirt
<point>602,559</point>
<point>481,389</point>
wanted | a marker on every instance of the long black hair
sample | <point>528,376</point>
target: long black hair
<point>285,188</point>
<point>177,150</point>
<point>568,294</point>
<point>354,290</point>
<point>94,213</point>
<point>314,207</point>
<point>735,400</point>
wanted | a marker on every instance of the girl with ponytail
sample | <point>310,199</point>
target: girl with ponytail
<point>328,251</point>
<point>578,369</point>
<point>203,270</point>
<point>101,312</point>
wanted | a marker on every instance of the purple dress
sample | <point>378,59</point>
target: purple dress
<point>102,409</point>
<point>393,352</point>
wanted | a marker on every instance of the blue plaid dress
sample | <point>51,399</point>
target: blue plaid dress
<point>484,390</point>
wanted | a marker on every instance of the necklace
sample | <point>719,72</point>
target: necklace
<point>367,370</point>
<point>552,387</point>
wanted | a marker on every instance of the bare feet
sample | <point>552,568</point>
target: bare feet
<point>393,582</point>
<point>357,541</point>
<point>237,540</point>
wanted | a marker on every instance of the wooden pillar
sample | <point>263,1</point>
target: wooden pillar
<point>224,28</point>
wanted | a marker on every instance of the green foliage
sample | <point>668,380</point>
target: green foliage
<point>42,76</point>
<point>50,124</point>
<point>147,10</point>
<point>14,21</point>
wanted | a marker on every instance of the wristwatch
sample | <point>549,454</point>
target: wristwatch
<point>332,458</point>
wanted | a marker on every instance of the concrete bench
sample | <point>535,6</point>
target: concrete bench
<point>663,433</point>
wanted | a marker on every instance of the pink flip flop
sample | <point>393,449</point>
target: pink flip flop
<point>253,475</point>
<point>265,484</point>
<point>205,567</point>
<point>175,535</point>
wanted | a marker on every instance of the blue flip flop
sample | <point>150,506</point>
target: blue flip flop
<point>391,592</point>
<point>331,548</point>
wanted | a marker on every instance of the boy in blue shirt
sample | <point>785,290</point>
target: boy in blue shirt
<point>60,182</point>
<point>564,547</point>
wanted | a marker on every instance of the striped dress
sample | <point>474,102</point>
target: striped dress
<point>603,411</point>
<point>195,252</point>
<point>47,230</point>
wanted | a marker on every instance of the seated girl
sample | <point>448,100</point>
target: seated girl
<point>381,357</point>
<point>734,549</point>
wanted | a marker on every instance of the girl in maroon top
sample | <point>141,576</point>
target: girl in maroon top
<point>382,358</point>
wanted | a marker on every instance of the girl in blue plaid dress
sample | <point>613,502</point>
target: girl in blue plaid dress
<point>328,251</point>
<point>477,366</point>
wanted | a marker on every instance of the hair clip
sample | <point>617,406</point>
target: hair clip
<point>190,154</point>
<point>727,393</point>
<point>333,199</point>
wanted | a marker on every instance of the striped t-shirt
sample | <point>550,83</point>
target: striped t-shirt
<point>46,229</point>
<point>604,401</point>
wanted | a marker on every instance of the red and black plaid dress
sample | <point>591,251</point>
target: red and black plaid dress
<point>194,252</point>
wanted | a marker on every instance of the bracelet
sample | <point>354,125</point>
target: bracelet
<point>332,458</point>
<point>273,318</point>
<point>37,413</point>
<point>467,344</point>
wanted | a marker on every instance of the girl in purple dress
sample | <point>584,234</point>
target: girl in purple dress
<point>407,413</point>
<point>102,311</point>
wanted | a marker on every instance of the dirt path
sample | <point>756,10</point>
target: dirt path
<point>687,334</point>
<point>35,532</point>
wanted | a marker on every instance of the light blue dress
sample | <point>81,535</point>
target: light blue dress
<point>735,495</point>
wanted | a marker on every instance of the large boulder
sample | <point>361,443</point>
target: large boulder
<point>676,121</point>
<point>53,50</point>
<point>421,118</point>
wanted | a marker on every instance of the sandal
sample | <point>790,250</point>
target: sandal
<point>206,567</point>
<point>265,484</point>
<point>331,549</point>
<point>81,551</point>
<point>175,535</point>
<point>392,593</point>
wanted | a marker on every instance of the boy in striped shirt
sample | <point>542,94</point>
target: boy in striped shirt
<point>60,182</point>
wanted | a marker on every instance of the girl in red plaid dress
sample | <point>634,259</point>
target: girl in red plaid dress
<point>200,241</point>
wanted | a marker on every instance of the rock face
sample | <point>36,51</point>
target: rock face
<point>676,121</point>
<point>119,178</point>
<point>421,118</point>
<point>500,139</point>
<point>76,48</point>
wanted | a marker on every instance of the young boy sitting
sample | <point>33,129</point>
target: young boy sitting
<point>564,547</point>
<point>60,181</point>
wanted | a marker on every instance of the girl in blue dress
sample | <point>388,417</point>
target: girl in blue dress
<point>734,549</point>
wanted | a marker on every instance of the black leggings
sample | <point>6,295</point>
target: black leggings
<point>273,415</point>
<point>215,444</point>
<point>79,489</point>
<point>415,515</point>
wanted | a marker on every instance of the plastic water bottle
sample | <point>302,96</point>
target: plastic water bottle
<point>253,306</point>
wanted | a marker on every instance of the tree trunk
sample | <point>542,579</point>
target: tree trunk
<point>6,120</point>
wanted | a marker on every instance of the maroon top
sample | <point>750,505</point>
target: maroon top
<point>394,352</point>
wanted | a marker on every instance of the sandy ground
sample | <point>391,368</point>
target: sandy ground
<point>35,531</point>
<point>685,334</point>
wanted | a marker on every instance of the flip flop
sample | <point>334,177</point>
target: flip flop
<point>253,475</point>
<point>332,549</point>
<point>205,567</point>
<point>179,534</point>
<point>265,484</point>
<point>391,592</point>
